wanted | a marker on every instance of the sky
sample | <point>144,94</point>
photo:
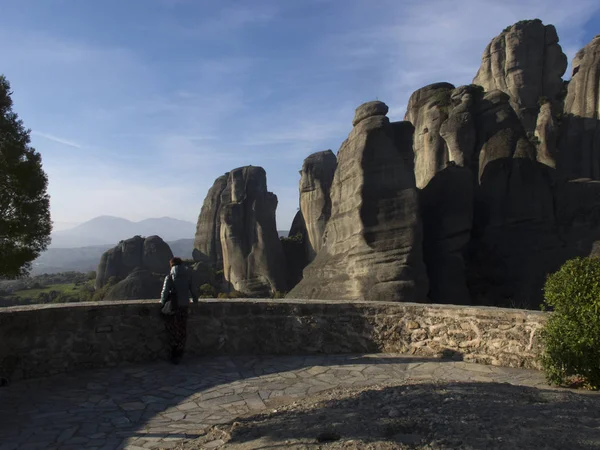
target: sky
<point>137,106</point>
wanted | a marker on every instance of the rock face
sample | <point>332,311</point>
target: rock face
<point>514,231</point>
<point>484,193</point>
<point>207,242</point>
<point>294,250</point>
<point>373,241</point>
<point>580,143</point>
<point>315,202</point>
<point>151,254</point>
<point>427,109</point>
<point>447,211</point>
<point>298,226</point>
<point>546,132</point>
<point>253,260</point>
<point>526,62</point>
<point>444,142</point>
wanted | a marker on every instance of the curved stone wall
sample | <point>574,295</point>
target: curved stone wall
<point>42,340</point>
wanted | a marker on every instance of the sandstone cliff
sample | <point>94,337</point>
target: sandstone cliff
<point>315,202</point>
<point>253,260</point>
<point>373,240</point>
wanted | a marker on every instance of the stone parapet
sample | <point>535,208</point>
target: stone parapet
<point>40,340</point>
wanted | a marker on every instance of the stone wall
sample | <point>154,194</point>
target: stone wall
<point>41,340</point>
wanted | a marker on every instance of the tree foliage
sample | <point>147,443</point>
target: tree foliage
<point>25,223</point>
<point>571,336</point>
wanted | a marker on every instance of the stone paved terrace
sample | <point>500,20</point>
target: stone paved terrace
<point>158,405</point>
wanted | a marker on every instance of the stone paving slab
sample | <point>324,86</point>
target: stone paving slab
<point>160,405</point>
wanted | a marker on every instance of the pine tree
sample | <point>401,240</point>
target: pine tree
<point>25,223</point>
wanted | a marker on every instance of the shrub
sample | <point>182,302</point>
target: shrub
<point>207,291</point>
<point>232,294</point>
<point>279,294</point>
<point>571,337</point>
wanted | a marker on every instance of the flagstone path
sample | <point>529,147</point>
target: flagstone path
<point>159,405</point>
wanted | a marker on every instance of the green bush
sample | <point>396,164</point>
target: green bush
<point>571,337</point>
<point>232,294</point>
<point>207,291</point>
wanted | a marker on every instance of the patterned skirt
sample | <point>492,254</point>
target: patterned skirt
<point>177,329</point>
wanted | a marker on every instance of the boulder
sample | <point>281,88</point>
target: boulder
<point>253,260</point>
<point>151,253</point>
<point>372,248</point>
<point>207,242</point>
<point>527,63</point>
<point>138,285</point>
<point>369,109</point>
<point>580,141</point>
<point>315,202</point>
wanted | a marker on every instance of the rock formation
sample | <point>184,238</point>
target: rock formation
<point>294,250</point>
<point>207,242</point>
<point>444,142</point>
<point>526,62</point>
<point>546,133</point>
<point>427,109</point>
<point>315,204</point>
<point>372,248</point>
<point>514,233</point>
<point>151,254</point>
<point>138,285</point>
<point>580,143</point>
<point>298,226</point>
<point>253,260</point>
<point>482,187</point>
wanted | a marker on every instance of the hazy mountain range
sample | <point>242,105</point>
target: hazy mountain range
<point>85,259</point>
<point>80,248</point>
<point>110,230</point>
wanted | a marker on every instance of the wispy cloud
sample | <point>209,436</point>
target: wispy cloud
<point>57,139</point>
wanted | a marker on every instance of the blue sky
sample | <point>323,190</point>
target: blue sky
<point>137,106</point>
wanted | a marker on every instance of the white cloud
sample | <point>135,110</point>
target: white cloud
<point>56,139</point>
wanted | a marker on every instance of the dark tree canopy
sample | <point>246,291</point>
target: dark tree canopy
<point>25,223</point>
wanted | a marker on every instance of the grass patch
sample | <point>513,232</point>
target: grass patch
<point>64,288</point>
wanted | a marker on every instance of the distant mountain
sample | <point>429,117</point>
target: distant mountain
<point>81,247</point>
<point>85,259</point>
<point>109,230</point>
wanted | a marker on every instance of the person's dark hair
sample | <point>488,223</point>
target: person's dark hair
<point>175,261</point>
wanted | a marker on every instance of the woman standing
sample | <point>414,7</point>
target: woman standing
<point>177,288</point>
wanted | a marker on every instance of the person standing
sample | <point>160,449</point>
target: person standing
<point>177,288</point>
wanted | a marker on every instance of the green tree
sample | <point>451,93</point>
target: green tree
<point>25,223</point>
